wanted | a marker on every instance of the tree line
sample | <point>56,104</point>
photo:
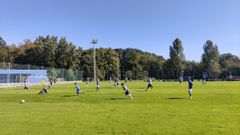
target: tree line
<point>51,51</point>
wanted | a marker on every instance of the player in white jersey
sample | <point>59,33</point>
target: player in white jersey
<point>78,89</point>
<point>126,90</point>
<point>149,84</point>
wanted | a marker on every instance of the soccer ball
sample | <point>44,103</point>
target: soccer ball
<point>22,101</point>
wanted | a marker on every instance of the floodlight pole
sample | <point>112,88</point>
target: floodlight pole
<point>94,42</point>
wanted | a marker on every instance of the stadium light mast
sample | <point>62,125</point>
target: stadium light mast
<point>94,42</point>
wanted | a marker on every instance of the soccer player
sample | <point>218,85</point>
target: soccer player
<point>190,86</point>
<point>116,80</point>
<point>97,83</point>
<point>126,80</point>
<point>204,78</point>
<point>78,89</point>
<point>43,91</point>
<point>49,84</point>
<point>181,79</point>
<point>25,85</point>
<point>149,84</point>
<point>87,81</point>
<point>110,79</point>
<point>126,90</point>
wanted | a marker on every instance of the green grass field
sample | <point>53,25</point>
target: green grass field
<point>214,110</point>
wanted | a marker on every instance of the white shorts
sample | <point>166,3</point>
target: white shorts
<point>190,90</point>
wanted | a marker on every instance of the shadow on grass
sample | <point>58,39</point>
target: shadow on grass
<point>88,91</point>
<point>140,91</point>
<point>69,96</point>
<point>175,98</point>
<point>116,99</point>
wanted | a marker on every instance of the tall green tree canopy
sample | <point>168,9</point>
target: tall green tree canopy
<point>51,51</point>
<point>210,58</point>
<point>177,58</point>
<point>230,63</point>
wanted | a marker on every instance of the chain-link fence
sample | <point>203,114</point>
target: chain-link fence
<point>19,73</point>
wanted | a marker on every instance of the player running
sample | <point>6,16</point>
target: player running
<point>190,86</point>
<point>149,84</point>
<point>78,89</point>
<point>126,90</point>
<point>25,85</point>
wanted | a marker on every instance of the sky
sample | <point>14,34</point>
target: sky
<point>148,25</point>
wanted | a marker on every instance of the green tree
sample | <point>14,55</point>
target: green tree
<point>230,64</point>
<point>175,65</point>
<point>47,49</point>
<point>107,63</point>
<point>66,55</point>
<point>210,59</point>
<point>3,51</point>
<point>86,62</point>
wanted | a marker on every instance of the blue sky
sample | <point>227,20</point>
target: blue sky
<point>149,25</point>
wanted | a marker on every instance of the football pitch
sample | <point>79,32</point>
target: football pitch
<point>213,110</point>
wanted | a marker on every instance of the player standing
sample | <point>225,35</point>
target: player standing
<point>87,81</point>
<point>110,79</point>
<point>204,78</point>
<point>190,86</point>
<point>97,83</point>
<point>126,79</point>
<point>126,90</point>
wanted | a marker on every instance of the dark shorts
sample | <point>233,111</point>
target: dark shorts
<point>78,91</point>
<point>150,85</point>
<point>127,92</point>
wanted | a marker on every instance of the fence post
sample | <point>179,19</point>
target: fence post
<point>62,74</point>
<point>28,73</point>
<point>8,78</point>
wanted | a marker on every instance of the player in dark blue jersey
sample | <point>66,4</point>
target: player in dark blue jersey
<point>190,86</point>
<point>43,91</point>
<point>116,81</point>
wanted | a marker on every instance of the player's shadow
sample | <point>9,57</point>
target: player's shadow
<point>115,99</point>
<point>140,91</point>
<point>88,91</point>
<point>175,98</point>
<point>69,95</point>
